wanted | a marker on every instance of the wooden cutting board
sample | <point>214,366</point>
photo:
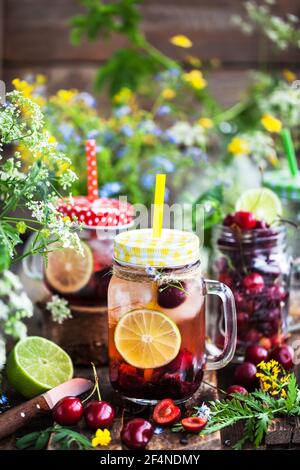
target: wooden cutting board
<point>167,440</point>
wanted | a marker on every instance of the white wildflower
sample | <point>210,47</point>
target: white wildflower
<point>59,309</point>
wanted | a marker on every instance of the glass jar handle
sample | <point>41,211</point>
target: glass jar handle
<point>226,295</point>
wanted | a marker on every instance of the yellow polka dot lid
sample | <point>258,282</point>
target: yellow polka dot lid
<point>140,248</point>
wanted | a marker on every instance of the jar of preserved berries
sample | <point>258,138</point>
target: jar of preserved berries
<point>156,311</point>
<point>287,187</point>
<point>256,266</point>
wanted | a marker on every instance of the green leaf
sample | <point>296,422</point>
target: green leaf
<point>42,440</point>
<point>292,393</point>
<point>211,201</point>
<point>5,258</point>
<point>261,427</point>
<point>27,441</point>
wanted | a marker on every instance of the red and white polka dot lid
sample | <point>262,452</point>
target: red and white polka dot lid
<point>102,212</point>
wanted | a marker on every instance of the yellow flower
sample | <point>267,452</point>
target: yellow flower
<point>149,139</point>
<point>271,123</point>
<point>40,79</point>
<point>51,139</point>
<point>238,146</point>
<point>195,79</point>
<point>101,438</point>
<point>289,75</point>
<point>168,94</point>
<point>206,123</point>
<point>66,96</point>
<point>181,41</point>
<point>123,96</point>
<point>193,61</point>
<point>23,86</point>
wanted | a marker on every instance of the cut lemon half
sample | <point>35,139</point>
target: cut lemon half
<point>262,202</point>
<point>69,271</point>
<point>147,339</point>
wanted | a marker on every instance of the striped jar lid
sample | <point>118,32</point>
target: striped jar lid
<point>174,248</point>
<point>283,184</point>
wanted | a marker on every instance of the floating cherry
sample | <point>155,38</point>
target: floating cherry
<point>171,295</point>
<point>68,411</point>
<point>253,283</point>
<point>166,412</point>
<point>245,220</point>
<point>136,433</point>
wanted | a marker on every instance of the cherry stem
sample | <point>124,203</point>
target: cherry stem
<point>96,386</point>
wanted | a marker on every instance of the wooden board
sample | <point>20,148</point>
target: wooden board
<point>166,440</point>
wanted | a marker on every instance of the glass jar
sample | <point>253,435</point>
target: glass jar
<point>156,310</point>
<point>256,266</point>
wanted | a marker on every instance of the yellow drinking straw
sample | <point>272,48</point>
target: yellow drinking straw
<point>159,198</point>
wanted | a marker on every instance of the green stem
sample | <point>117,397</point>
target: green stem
<point>96,381</point>
<point>230,113</point>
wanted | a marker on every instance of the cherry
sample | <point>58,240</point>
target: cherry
<point>166,412</point>
<point>229,220</point>
<point>245,220</point>
<point>245,374</point>
<point>252,336</point>
<point>284,355</point>
<point>182,362</point>
<point>68,411</point>
<point>171,295</point>
<point>98,414</point>
<point>194,423</point>
<point>226,279</point>
<point>261,224</point>
<point>235,389</point>
<point>137,433</point>
<point>266,343</point>
<point>256,354</point>
<point>242,319</point>
<point>253,283</point>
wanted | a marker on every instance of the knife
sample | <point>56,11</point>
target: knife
<point>20,415</point>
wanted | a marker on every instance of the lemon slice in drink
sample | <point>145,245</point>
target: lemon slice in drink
<point>36,364</point>
<point>147,339</point>
<point>69,271</point>
<point>262,202</point>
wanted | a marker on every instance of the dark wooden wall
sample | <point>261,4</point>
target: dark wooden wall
<point>36,39</point>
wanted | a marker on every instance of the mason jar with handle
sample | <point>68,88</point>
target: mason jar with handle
<point>156,308</point>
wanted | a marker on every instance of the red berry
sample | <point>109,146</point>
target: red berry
<point>266,343</point>
<point>229,220</point>
<point>253,283</point>
<point>68,411</point>
<point>166,412</point>
<point>245,374</point>
<point>194,423</point>
<point>137,433</point>
<point>261,224</point>
<point>235,389</point>
<point>242,319</point>
<point>256,354</point>
<point>284,355</point>
<point>226,279</point>
<point>245,220</point>
<point>252,336</point>
<point>171,296</point>
<point>99,414</point>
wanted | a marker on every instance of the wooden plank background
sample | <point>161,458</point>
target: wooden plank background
<point>36,39</point>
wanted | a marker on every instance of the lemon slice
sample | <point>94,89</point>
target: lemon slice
<point>68,271</point>
<point>147,339</point>
<point>262,202</point>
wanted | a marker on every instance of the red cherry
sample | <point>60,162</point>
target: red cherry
<point>68,411</point>
<point>229,220</point>
<point>245,220</point>
<point>252,336</point>
<point>166,412</point>
<point>265,343</point>
<point>245,374</point>
<point>194,423</point>
<point>226,279</point>
<point>261,224</point>
<point>256,354</point>
<point>242,320</point>
<point>137,433</point>
<point>235,389</point>
<point>284,355</point>
<point>253,283</point>
<point>98,414</point>
<point>171,296</point>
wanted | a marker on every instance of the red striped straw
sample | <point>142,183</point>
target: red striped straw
<point>92,177</point>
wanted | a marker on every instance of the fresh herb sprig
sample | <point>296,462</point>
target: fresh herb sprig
<point>66,439</point>
<point>256,410</point>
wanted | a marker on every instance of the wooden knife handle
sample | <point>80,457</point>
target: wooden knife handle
<point>20,415</point>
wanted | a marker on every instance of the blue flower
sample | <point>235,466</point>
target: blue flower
<point>163,164</point>
<point>87,98</point>
<point>92,134</point>
<point>171,137</point>
<point>111,189</point>
<point>174,71</point>
<point>148,180</point>
<point>121,151</point>
<point>127,130</point>
<point>163,110</point>
<point>122,111</point>
<point>197,154</point>
<point>108,136</point>
<point>61,147</point>
<point>66,130</point>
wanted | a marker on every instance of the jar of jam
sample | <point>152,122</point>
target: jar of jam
<point>255,264</point>
<point>156,316</point>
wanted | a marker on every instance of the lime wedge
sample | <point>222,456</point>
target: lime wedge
<point>36,364</point>
<point>262,202</point>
